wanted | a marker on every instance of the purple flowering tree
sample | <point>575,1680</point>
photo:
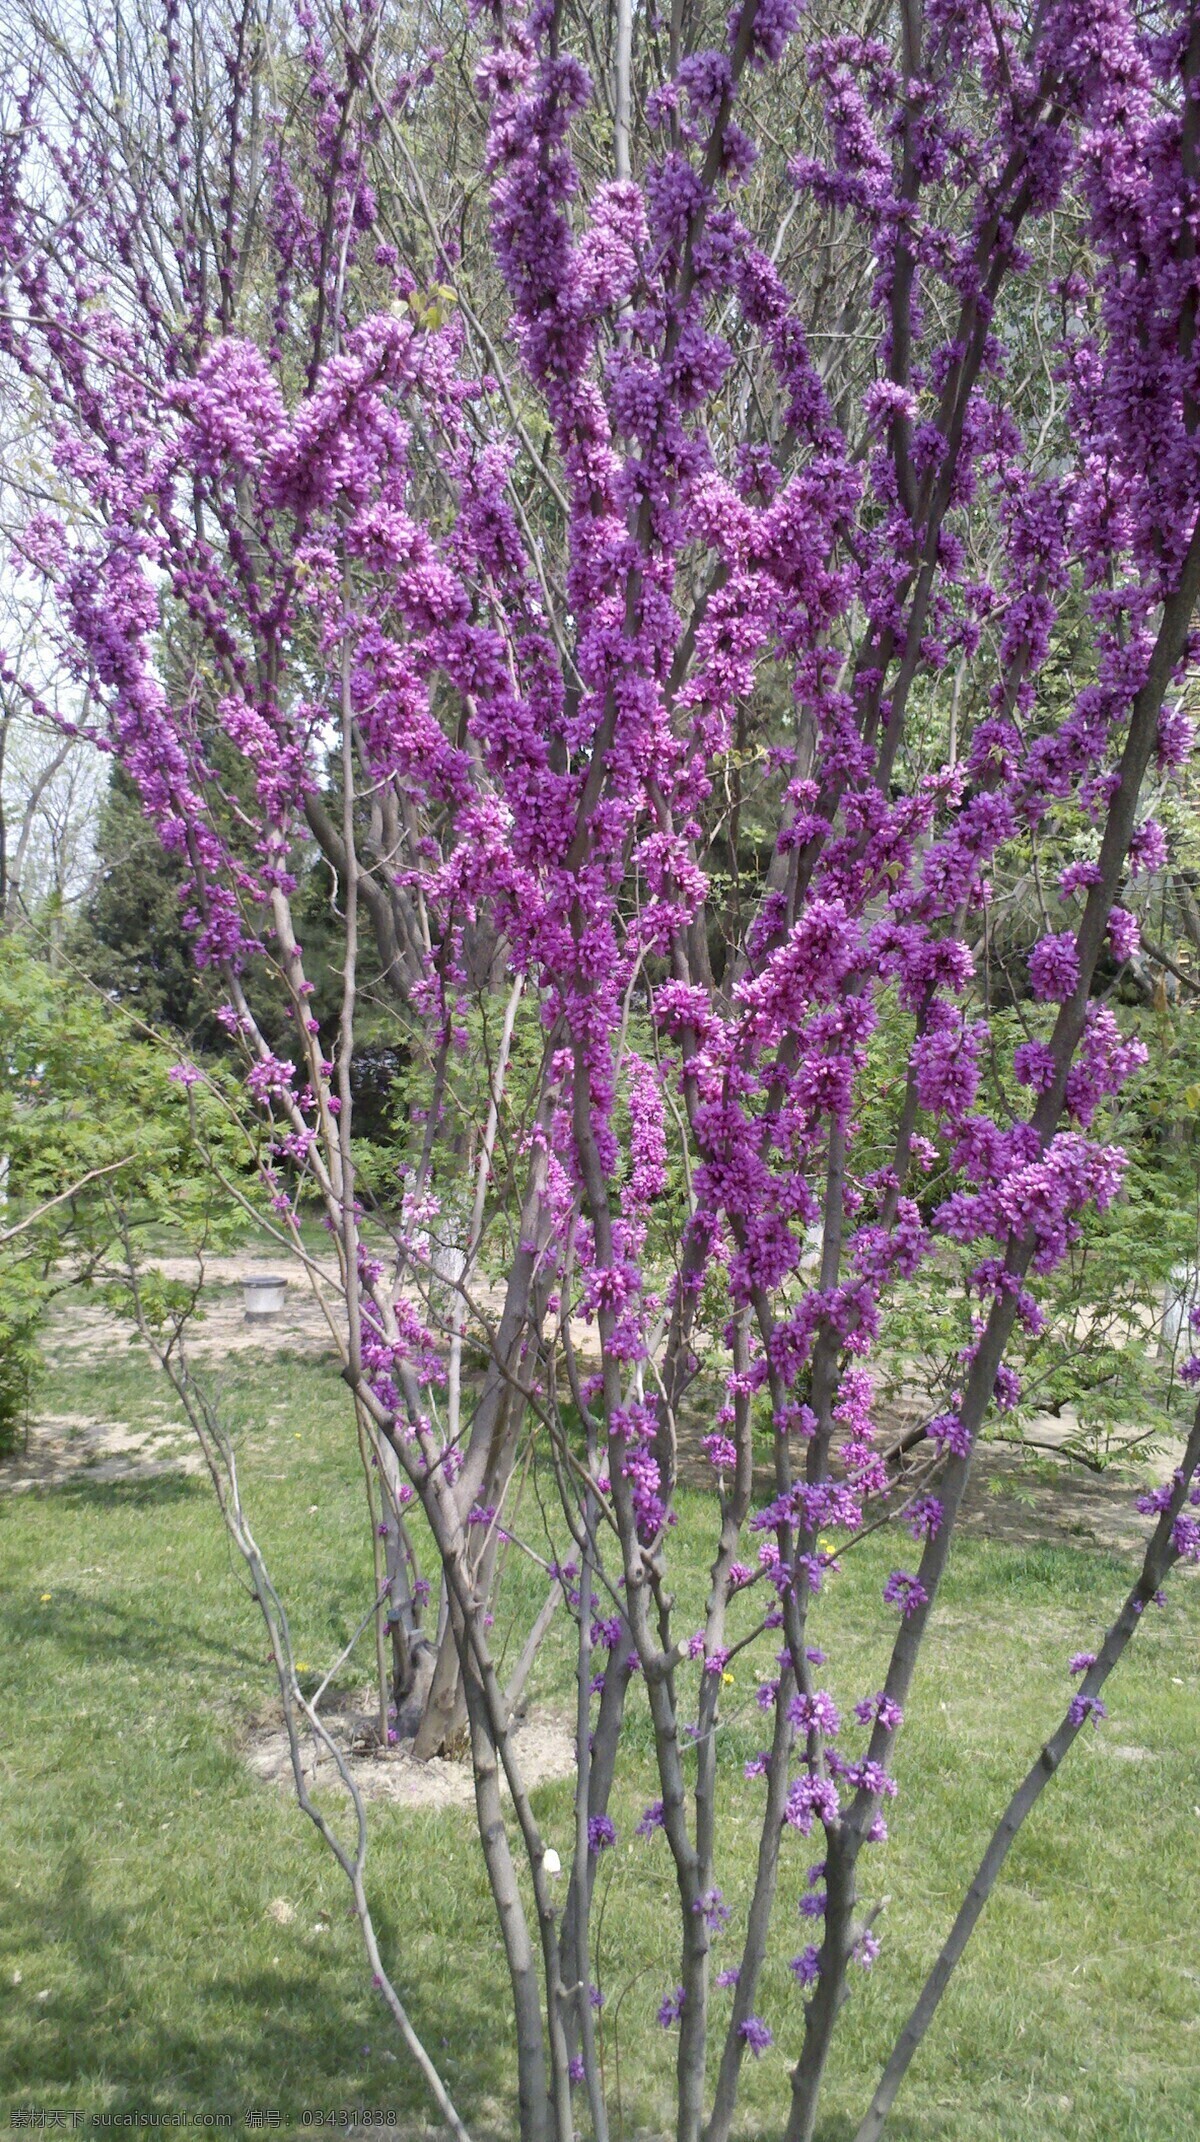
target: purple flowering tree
<point>518,615</point>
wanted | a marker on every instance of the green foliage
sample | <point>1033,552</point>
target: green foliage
<point>130,939</point>
<point>101,1145</point>
<point>20,1355</point>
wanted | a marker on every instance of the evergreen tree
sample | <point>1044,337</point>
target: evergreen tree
<point>130,937</point>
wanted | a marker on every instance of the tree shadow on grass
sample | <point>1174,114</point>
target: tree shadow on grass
<point>306,2035</point>
<point>89,1631</point>
<point>153,1491</point>
<point>901,2126</point>
<point>301,2036</point>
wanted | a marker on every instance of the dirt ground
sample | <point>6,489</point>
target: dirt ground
<point>544,1743</point>
<point>61,1446</point>
<point>1008,1498</point>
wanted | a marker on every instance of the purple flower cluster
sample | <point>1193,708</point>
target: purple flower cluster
<point>756,2035</point>
<point>670,2008</point>
<point>905,1592</point>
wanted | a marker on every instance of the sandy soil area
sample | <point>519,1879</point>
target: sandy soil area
<point>544,1743</point>
<point>1005,1500</point>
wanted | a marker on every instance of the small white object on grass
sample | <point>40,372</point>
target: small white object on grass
<point>551,1863</point>
<point>262,1294</point>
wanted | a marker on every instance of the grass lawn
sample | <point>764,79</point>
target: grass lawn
<point>141,1967</point>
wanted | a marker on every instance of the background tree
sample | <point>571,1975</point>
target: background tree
<point>130,938</point>
<point>101,1147</point>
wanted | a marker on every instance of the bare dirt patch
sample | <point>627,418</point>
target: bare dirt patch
<point>87,1329</point>
<point>69,1446</point>
<point>85,1332</point>
<point>1036,1496</point>
<point>1051,1501</point>
<point>1062,1504</point>
<point>544,1742</point>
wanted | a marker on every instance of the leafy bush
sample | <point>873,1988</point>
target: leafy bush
<point>102,1145</point>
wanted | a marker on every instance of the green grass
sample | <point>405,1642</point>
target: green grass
<point>138,1858</point>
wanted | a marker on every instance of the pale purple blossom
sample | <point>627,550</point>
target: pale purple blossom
<point>905,1592</point>
<point>756,2035</point>
<point>805,1968</point>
